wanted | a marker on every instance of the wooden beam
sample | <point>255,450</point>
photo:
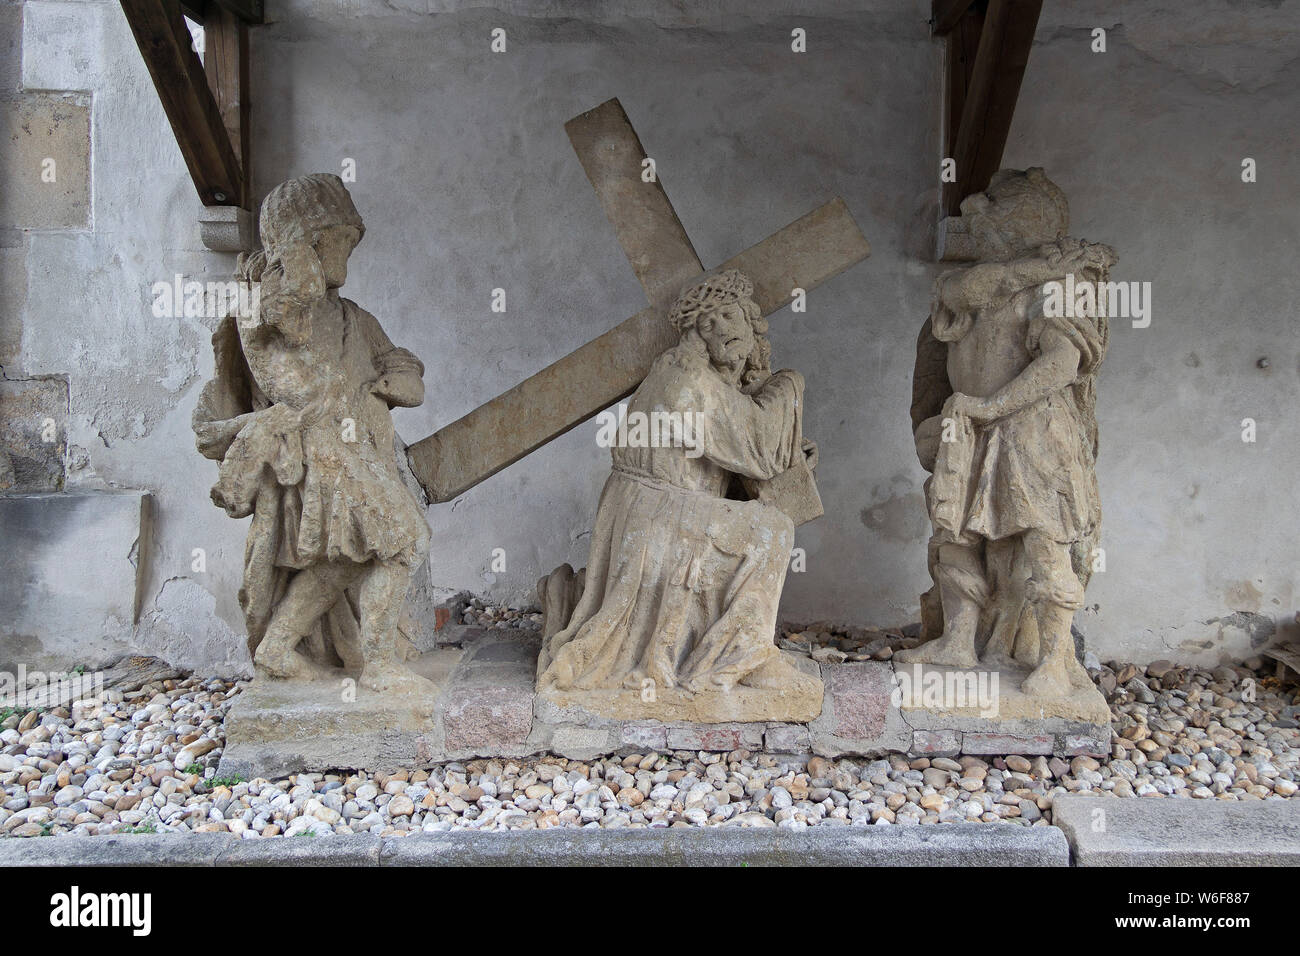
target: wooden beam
<point>192,110</point>
<point>225,61</point>
<point>566,393</point>
<point>962,44</point>
<point>249,11</point>
<point>946,14</point>
<point>644,221</point>
<point>990,99</point>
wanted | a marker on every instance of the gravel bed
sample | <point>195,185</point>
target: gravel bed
<point>145,761</point>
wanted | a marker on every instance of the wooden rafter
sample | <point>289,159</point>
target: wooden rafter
<point>988,49</point>
<point>225,62</point>
<point>249,11</point>
<point>206,100</point>
<point>946,14</point>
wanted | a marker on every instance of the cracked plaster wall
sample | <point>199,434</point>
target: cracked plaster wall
<point>467,183</point>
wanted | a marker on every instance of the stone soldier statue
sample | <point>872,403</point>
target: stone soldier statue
<point>1003,413</point>
<point>299,416</point>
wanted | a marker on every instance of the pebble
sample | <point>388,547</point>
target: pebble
<point>120,765</point>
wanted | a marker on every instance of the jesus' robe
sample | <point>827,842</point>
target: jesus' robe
<point>682,583</point>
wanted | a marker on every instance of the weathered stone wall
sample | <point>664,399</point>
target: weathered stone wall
<point>468,183</point>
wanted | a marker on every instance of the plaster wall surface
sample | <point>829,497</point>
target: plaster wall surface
<point>467,184</point>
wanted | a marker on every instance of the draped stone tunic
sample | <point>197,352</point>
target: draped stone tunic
<point>683,583</point>
<point>306,445</point>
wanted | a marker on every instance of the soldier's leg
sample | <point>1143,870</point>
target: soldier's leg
<point>381,593</point>
<point>1014,637</point>
<point>963,589</point>
<point>311,592</point>
<point>1055,593</point>
<point>931,605</point>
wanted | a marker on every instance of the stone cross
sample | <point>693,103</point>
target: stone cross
<point>561,396</point>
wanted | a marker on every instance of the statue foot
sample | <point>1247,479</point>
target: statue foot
<point>780,674</point>
<point>999,661</point>
<point>395,679</point>
<point>557,676</point>
<point>1078,674</point>
<point>945,651</point>
<point>287,664</point>
<point>1048,679</point>
<point>406,649</point>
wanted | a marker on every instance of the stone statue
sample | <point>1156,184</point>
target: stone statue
<point>682,583</point>
<point>299,416</point>
<point>1003,414</point>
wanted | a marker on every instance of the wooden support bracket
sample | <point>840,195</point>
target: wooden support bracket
<point>205,98</point>
<point>988,44</point>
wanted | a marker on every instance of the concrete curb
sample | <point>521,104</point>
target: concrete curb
<point>955,845</point>
<point>1114,831</point>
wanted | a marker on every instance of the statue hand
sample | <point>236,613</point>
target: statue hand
<point>810,453</point>
<point>1078,255</point>
<point>1097,256</point>
<point>303,277</point>
<point>977,409</point>
<point>1058,249</point>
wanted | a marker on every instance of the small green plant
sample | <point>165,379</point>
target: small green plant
<point>194,768</point>
<point>231,781</point>
<point>7,712</point>
<point>146,827</point>
<point>47,829</point>
<point>305,833</point>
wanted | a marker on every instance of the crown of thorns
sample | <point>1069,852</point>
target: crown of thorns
<point>711,292</point>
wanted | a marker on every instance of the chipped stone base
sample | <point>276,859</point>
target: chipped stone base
<point>485,706</point>
<point>279,727</point>
<point>671,705</point>
<point>1084,705</point>
<point>1010,723</point>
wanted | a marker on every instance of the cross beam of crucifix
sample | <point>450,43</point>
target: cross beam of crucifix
<point>561,396</point>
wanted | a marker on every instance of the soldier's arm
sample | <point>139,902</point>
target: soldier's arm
<point>1055,367</point>
<point>401,373</point>
<point>989,283</point>
<point>402,380</point>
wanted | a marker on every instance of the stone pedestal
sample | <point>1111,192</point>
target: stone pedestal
<point>486,706</point>
<point>278,727</point>
<point>946,718</point>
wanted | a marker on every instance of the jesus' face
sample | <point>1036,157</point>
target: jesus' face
<point>333,245</point>
<point>727,334</point>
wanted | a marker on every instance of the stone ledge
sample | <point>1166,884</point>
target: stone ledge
<point>199,849</point>
<point>953,845</point>
<point>957,845</point>
<point>1179,831</point>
